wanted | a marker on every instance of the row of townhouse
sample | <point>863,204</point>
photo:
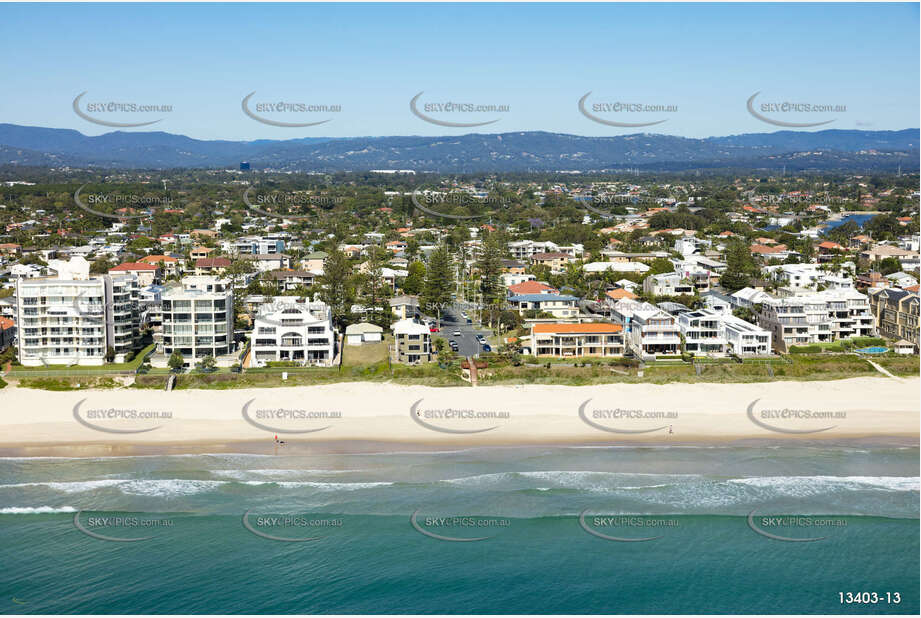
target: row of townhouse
<point>819,317</point>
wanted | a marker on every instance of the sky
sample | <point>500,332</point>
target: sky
<point>697,64</point>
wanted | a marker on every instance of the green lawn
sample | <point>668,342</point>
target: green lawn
<point>63,370</point>
<point>366,354</point>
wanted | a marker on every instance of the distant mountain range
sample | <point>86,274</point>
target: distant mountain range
<point>831,150</point>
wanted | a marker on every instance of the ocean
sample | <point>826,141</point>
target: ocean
<point>721,529</point>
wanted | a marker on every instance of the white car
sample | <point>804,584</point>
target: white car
<point>456,333</point>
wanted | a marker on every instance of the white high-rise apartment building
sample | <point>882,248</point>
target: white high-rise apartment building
<point>73,319</point>
<point>198,320</point>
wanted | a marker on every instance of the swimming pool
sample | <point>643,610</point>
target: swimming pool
<point>872,350</point>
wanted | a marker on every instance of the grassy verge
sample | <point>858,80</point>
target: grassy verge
<point>21,372</point>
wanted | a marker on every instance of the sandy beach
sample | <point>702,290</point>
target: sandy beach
<point>357,416</point>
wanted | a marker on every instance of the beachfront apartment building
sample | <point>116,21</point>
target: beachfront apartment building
<point>577,340</point>
<point>197,321</point>
<point>74,319</point>
<point>412,342</point>
<point>648,330</point>
<point>289,328</point>
<point>896,314</point>
<point>716,333</point>
<point>820,317</point>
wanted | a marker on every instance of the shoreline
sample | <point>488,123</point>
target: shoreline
<point>362,417</point>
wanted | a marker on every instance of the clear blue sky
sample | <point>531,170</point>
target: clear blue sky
<point>538,59</point>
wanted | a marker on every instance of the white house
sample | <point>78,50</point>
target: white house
<point>294,329</point>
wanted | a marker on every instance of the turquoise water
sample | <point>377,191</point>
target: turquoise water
<point>536,557</point>
<point>873,350</point>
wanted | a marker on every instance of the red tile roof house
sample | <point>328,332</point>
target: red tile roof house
<point>147,274</point>
<point>765,251</point>
<point>170,263</point>
<point>531,287</point>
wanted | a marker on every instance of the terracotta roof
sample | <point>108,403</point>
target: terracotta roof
<point>620,293</point>
<point>153,259</point>
<point>530,287</point>
<point>128,266</point>
<point>592,327</point>
<point>6,323</point>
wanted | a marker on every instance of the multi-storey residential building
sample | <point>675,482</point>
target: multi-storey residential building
<point>811,276</point>
<point>254,245</point>
<point>198,320</point>
<point>817,318</point>
<point>74,319</point>
<point>525,249</point>
<point>649,331</point>
<point>556,261</point>
<point>896,314</point>
<point>412,342</point>
<point>667,284</point>
<point>293,329</point>
<point>718,333</point>
<point>577,340</point>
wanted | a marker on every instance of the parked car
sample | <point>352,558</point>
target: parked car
<point>487,347</point>
<point>434,329</point>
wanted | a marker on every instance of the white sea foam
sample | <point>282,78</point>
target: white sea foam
<point>36,510</point>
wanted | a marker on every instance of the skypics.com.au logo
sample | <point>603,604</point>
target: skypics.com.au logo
<point>121,203</point>
<point>119,420</point>
<point>455,109</point>
<point>287,205</point>
<point>104,113</point>
<point>627,420</point>
<point>771,112</point>
<point>435,203</point>
<point>287,109</point>
<point>616,113</point>
<point>289,420</point>
<point>452,420</point>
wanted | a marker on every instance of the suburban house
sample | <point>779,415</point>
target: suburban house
<point>558,305</point>
<point>649,331</point>
<point>412,342</point>
<point>363,332</point>
<point>211,266</point>
<point>577,340</point>
<point>147,274</point>
<point>667,284</point>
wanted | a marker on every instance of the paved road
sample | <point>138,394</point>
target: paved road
<point>451,321</point>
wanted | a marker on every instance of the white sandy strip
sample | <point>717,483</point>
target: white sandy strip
<point>537,414</point>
